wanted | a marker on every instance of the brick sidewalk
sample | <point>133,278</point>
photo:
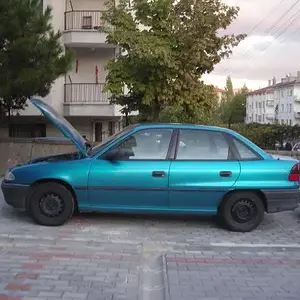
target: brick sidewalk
<point>234,275</point>
<point>118,257</point>
<point>59,273</point>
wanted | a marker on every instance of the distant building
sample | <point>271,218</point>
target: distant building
<point>220,93</point>
<point>260,106</point>
<point>276,103</point>
<point>236,91</point>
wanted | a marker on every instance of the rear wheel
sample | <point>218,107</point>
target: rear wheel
<point>242,211</point>
<point>51,204</point>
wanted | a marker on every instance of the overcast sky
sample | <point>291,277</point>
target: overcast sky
<point>272,49</point>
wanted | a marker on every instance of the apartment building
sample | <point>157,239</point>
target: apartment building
<point>79,95</point>
<point>260,106</point>
<point>278,102</point>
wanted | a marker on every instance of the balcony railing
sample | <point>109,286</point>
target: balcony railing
<point>270,116</point>
<point>85,20</point>
<point>86,93</point>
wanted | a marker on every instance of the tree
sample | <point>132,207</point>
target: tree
<point>234,111</point>
<point>228,89</point>
<point>167,46</point>
<point>31,54</point>
<point>244,90</point>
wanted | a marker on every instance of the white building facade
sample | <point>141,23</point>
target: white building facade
<point>277,103</point>
<point>79,95</point>
<point>260,106</point>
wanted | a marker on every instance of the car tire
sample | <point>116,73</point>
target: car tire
<point>242,211</point>
<point>51,204</point>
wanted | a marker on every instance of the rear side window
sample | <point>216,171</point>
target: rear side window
<point>245,152</point>
<point>202,145</point>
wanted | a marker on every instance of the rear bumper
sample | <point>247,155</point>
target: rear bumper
<point>15,194</point>
<point>282,199</point>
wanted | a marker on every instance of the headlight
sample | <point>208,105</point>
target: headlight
<point>9,176</point>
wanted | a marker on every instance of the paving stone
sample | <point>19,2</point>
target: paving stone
<point>99,257</point>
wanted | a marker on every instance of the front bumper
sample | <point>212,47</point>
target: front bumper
<point>282,199</point>
<point>15,194</point>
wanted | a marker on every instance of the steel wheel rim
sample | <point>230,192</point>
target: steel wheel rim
<point>243,211</point>
<point>51,205</point>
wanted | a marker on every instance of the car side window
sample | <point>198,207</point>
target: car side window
<point>149,144</point>
<point>245,152</point>
<point>202,145</point>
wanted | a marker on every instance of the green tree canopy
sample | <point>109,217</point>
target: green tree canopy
<point>228,89</point>
<point>234,110</point>
<point>166,47</point>
<point>31,54</point>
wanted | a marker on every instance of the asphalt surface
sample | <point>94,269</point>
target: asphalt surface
<point>114,257</point>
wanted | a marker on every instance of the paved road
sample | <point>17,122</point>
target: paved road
<point>101,256</point>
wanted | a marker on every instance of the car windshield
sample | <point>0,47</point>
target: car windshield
<point>103,144</point>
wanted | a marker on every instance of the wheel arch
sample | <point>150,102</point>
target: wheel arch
<point>258,192</point>
<point>53,180</point>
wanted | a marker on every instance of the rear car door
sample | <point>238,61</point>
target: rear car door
<point>203,170</point>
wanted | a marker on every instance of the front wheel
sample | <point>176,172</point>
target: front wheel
<point>51,204</point>
<point>242,211</point>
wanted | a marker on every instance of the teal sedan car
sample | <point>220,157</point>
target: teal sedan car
<point>155,168</point>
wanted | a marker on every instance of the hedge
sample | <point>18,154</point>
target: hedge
<point>266,135</point>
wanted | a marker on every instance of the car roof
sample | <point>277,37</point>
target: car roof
<point>182,125</point>
<point>204,127</point>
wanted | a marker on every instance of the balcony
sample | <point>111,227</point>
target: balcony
<point>85,28</point>
<point>88,99</point>
<point>270,102</point>
<point>270,116</point>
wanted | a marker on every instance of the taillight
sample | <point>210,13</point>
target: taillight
<point>295,173</point>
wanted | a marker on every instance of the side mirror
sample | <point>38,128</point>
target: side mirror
<point>118,154</point>
<point>111,155</point>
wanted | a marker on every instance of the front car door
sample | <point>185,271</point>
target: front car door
<point>203,170</point>
<point>137,180</point>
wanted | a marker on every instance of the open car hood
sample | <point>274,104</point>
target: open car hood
<point>62,124</point>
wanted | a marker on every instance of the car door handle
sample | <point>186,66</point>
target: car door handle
<point>225,174</point>
<point>158,174</point>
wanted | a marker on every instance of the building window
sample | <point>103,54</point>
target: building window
<point>290,122</point>
<point>27,130</point>
<point>291,106</point>
<point>282,107</point>
<point>98,132</point>
<point>111,128</point>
